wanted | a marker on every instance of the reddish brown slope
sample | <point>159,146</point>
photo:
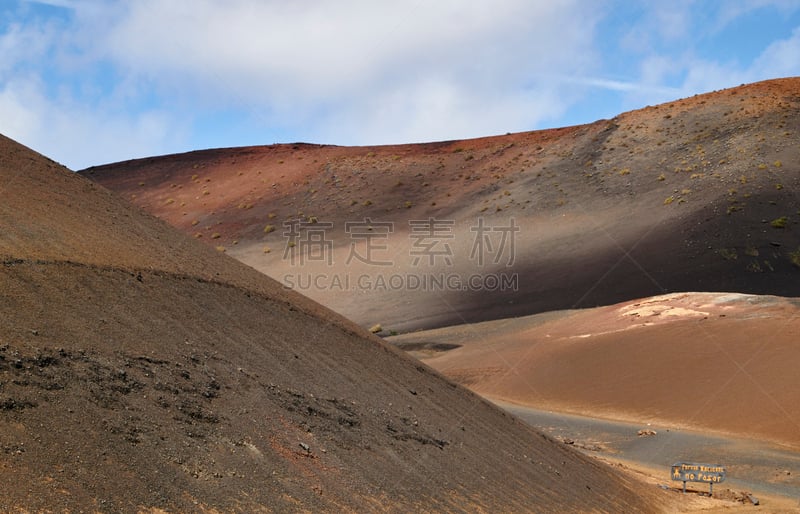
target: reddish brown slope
<point>140,370</point>
<point>674,197</point>
<point>724,362</point>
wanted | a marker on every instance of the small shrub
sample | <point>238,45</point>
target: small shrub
<point>668,200</point>
<point>754,267</point>
<point>795,257</point>
<point>269,228</point>
<point>779,222</point>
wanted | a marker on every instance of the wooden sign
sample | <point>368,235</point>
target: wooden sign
<point>693,472</point>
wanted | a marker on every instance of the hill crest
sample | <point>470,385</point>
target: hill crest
<point>696,194</point>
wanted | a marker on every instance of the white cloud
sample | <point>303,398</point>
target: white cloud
<point>780,59</point>
<point>671,44</point>
<point>80,136</point>
<point>322,49</point>
<point>112,79</point>
<point>444,63</point>
<point>20,45</point>
<point>20,118</point>
<point>347,71</point>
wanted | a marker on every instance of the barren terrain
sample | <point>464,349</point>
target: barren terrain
<point>141,371</point>
<point>628,214</point>
<point>721,362</point>
<point>711,374</point>
<point>699,194</point>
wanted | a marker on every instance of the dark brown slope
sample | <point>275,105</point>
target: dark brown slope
<point>676,197</point>
<point>140,370</point>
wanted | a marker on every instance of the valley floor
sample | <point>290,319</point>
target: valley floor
<point>766,470</point>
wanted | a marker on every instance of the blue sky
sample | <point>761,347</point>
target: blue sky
<point>94,81</point>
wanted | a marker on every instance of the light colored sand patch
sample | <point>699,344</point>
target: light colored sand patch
<point>663,310</point>
<point>659,308</point>
<point>595,334</point>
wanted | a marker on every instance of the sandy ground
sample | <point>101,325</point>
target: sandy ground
<point>711,373</point>
<point>751,465</point>
<point>716,361</point>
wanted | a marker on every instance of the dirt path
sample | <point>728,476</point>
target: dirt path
<point>751,465</point>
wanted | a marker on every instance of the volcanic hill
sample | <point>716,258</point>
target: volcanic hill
<point>699,194</point>
<point>143,371</point>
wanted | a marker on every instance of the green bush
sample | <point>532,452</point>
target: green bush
<point>779,222</point>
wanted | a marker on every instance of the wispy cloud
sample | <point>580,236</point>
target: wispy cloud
<point>151,76</point>
<point>620,85</point>
<point>327,60</point>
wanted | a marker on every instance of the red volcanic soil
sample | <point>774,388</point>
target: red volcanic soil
<point>722,362</point>
<point>695,194</point>
<point>141,371</point>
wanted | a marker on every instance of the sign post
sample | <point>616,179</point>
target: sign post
<point>694,472</point>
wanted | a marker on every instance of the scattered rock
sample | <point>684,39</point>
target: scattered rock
<point>376,328</point>
<point>646,432</point>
